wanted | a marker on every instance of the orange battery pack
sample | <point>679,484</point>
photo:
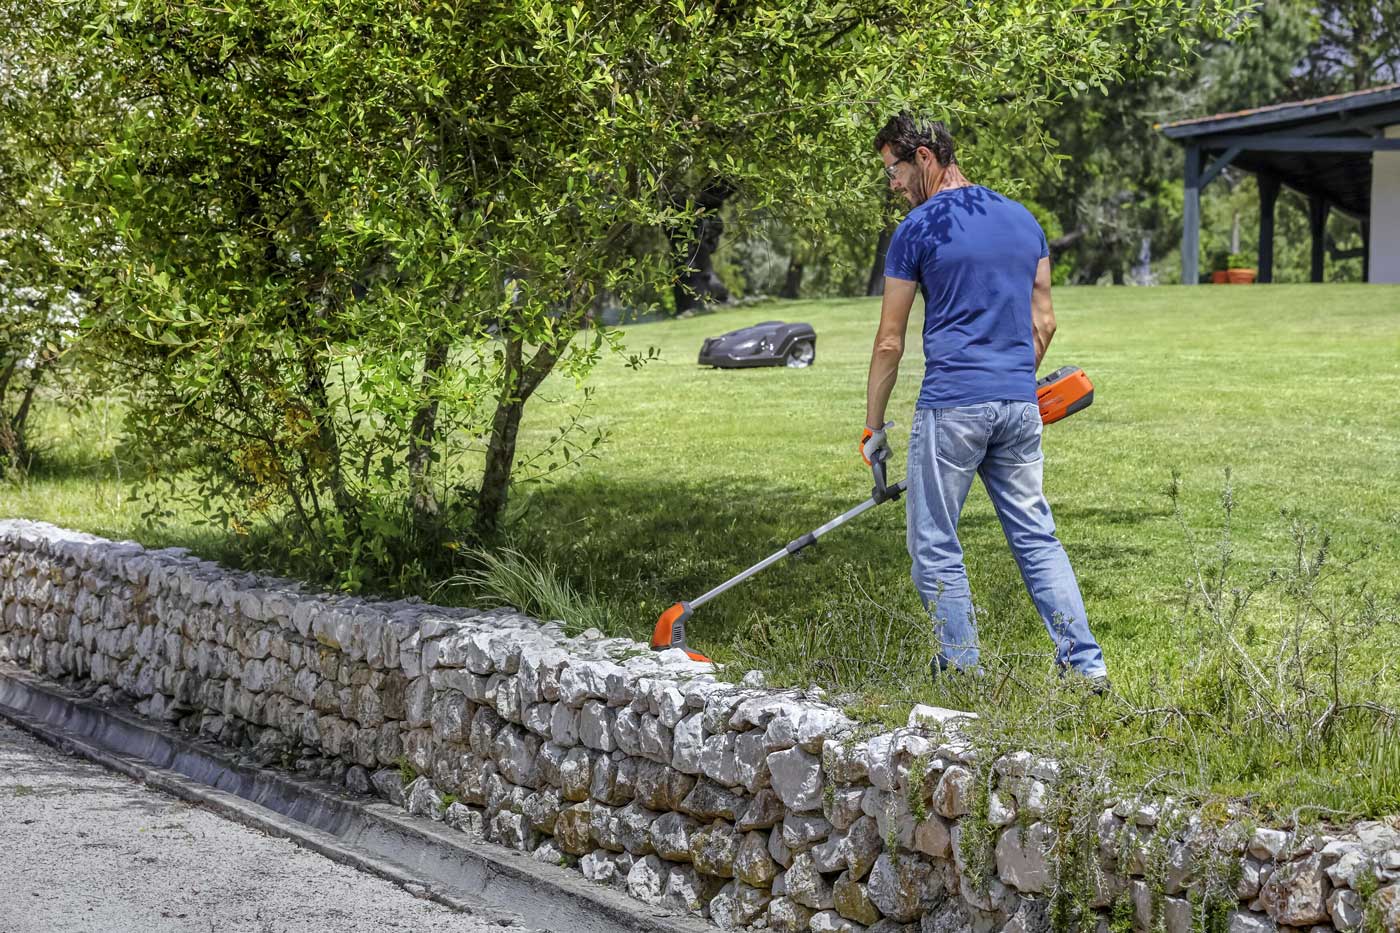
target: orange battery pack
<point>1062,393</point>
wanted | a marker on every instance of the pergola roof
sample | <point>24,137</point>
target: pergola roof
<point>1320,147</point>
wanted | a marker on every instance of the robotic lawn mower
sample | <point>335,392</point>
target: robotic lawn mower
<point>771,343</point>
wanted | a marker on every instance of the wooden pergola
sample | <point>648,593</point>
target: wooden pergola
<point>1320,148</point>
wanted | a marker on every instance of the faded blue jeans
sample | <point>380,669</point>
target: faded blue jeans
<point>1000,441</point>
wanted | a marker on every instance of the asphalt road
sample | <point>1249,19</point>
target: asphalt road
<point>83,850</point>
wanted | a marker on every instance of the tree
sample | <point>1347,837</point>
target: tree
<point>1116,189</point>
<point>336,248</point>
<point>39,297</point>
<point>1356,44</point>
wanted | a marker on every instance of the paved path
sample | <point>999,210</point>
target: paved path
<point>83,850</point>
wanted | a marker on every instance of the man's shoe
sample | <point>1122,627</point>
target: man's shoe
<point>1099,685</point>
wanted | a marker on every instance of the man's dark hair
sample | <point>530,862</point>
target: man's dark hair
<point>904,133</point>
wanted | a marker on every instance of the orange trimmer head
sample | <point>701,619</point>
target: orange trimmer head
<point>670,631</point>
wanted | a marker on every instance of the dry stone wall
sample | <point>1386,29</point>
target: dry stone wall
<point>755,808</point>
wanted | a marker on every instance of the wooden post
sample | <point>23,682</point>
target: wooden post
<point>1268,197</point>
<point>1317,220</point>
<point>1191,219</point>
<point>1365,251</point>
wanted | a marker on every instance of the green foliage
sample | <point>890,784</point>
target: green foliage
<point>507,577</point>
<point>334,249</point>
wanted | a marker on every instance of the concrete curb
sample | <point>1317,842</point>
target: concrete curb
<point>426,858</point>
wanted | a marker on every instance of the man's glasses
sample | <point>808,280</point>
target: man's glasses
<point>889,169</point>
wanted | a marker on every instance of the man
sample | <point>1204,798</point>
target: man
<point>983,265</point>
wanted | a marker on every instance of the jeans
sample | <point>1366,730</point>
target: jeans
<point>1000,441</point>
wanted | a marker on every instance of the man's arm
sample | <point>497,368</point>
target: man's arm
<point>889,348</point>
<point>1042,311</point>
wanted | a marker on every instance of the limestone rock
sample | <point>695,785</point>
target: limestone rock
<point>635,824</point>
<point>718,761</point>
<point>901,887</point>
<point>1296,892</point>
<point>852,901</point>
<point>804,830</point>
<point>829,921</point>
<point>842,806</point>
<point>606,867</point>
<point>1253,874</point>
<point>1243,921</point>
<point>576,774</point>
<point>465,819</point>
<point>1266,844</point>
<point>787,916</point>
<point>1344,907</point>
<point>714,848</point>
<point>513,830</point>
<point>647,880</point>
<point>389,783</point>
<point>662,788</point>
<point>422,799</point>
<point>751,759</point>
<point>830,855</point>
<point>687,891</point>
<point>595,726</point>
<point>572,831</point>
<point>1031,916</point>
<point>797,779</point>
<point>752,863</point>
<point>763,812</point>
<point>1021,860</point>
<point>687,744</point>
<point>953,796</point>
<point>542,809</point>
<point>948,917</point>
<point>863,845</point>
<point>933,837</point>
<point>738,905</point>
<point>605,827</point>
<point>1001,809</point>
<point>670,836</point>
<point>805,884</point>
<point>708,801</point>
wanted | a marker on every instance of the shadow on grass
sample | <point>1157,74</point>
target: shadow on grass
<point>644,545</point>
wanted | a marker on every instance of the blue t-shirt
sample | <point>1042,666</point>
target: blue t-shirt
<point>974,254</point>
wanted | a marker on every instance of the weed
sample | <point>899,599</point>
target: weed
<point>407,773</point>
<point>508,577</point>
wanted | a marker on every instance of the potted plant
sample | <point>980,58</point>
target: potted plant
<point>1220,267</point>
<point>1238,270</point>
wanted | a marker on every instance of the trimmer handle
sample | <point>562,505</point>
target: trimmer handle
<point>882,492</point>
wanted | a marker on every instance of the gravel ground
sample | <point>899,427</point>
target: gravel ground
<point>83,849</point>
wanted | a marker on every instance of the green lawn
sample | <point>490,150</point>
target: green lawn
<point>1291,388</point>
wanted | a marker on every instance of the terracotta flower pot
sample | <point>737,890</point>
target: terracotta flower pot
<point>1241,276</point>
<point>1219,277</point>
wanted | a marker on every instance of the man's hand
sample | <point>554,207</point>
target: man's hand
<point>873,442</point>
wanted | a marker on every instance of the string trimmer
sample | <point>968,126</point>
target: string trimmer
<point>1060,394</point>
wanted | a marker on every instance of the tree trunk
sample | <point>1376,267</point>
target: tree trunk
<point>792,283</point>
<point>693,250</point>
<point>521,380</point>
<point>875,286</point>
<point>345,504</point>
<point>423,505</point>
